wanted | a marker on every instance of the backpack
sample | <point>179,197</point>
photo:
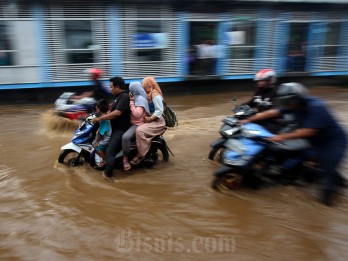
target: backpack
<point>169,116</point>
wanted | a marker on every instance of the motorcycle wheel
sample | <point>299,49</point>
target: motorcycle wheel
<point>231,181</point>
<point>164,152</point>
<point>92,162</point>
<point>70,158</point>
<point>215,154</point>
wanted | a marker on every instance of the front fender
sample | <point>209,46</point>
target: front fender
<point>218,143</point>
<point>71,146</point>
<point>223,171</point>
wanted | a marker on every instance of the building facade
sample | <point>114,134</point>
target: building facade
<point>50,43</point>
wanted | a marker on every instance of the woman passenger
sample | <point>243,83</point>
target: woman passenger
<point>139,107</point>
<point>154,125</point>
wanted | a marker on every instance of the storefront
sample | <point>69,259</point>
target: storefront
<point>50,43</point>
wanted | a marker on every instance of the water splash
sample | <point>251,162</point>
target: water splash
<point>54,124</point>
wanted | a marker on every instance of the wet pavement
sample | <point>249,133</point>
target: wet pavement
<point>169,212</point>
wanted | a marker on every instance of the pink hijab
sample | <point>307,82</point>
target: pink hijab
<point>155,89</point>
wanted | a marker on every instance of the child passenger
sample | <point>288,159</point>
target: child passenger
<point>139,107</point>
<point>101,141</point>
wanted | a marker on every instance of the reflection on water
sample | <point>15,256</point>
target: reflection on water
<point>51,212</point>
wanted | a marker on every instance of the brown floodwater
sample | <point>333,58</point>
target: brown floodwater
<point>169,212</point>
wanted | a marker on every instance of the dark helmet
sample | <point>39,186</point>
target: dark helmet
<point>291,92</point>
<point>266,74</point>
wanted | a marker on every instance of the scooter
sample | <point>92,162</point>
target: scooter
<point>74,110</point>
<point>250,159</point>
<point>80,150</point>
<point>228,129</point>
<point>231,128</point>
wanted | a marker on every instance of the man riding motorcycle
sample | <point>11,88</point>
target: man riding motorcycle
<point>78,107</point>
<point>318,125</point>
<point>263,98</point>
<point>96,90</point>
<point>265,92</point>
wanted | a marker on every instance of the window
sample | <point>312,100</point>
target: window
<point>78,42</point>
<point>332,38</point>
<point>6,52</point>
<point>149,40</point>
<point>241,38</point>
<point>296,57</point>
<point>203,50</point>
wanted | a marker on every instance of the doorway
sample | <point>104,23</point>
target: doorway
<point>202,52</point>
<point>297,46</point>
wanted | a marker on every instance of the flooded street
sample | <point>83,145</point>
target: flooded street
<point>170,212</point>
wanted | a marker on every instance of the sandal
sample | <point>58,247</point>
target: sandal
<point>101,164</point>
<point>126,165</point>
<point>136,160</point>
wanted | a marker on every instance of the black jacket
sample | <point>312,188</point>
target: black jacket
<point>262,99</point>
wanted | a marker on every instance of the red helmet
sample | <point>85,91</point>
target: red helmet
<point>95,72</point>
<point>266,74</point>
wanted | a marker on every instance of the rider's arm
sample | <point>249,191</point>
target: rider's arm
<point>249,102</point>
<point>137,111</point>
<point>96,142</point>
<point>112,115</point>
<point>316,115</point>
<point>158,102</point>
<point>269,114</point>
<point>296,134</point>
<point>122,105</point>
<point>81,96</point>
<point>86,94</point>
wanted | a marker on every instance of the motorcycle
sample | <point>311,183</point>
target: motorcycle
<point>228,129</point>
<point>66,107</point>
<point>81,150</point>
<point>250,159</point>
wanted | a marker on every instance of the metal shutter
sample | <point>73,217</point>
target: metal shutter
<point>15,10</point>
<point>264,38</point>
<point>280,41</point>
<point>129,15</point>
<point>240,66</point>
<point>331,63</point>
<point>55,15</point>
<point>342,62</point>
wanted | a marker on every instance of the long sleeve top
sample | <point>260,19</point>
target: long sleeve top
<point>137,114</point>
<point>158,104</point>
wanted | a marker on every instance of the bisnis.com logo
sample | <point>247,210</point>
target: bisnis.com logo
<point>128,240</point>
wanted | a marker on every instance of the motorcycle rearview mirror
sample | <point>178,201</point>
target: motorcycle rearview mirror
<point>234,101</point>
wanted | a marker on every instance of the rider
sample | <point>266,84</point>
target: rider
<point>119,117</point>
<point>265,92</point>
<point>96,90</point>
<point>317,125</point>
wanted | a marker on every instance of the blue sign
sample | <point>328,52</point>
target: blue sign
<point>149,40</point>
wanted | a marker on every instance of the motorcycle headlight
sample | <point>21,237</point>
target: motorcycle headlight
<point>231,131</point>
<point>239,113</point>
<point>231,121</point>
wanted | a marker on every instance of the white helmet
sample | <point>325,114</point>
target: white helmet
<point>266,74</point>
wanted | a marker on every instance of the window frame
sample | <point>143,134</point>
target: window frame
<point>66,51</point>
<point>8,44</point>
<point>338,44</point>
<point>235,48</point>
<point>158,51</point>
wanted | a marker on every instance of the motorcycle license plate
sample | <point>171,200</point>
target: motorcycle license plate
<point>235,145</point>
